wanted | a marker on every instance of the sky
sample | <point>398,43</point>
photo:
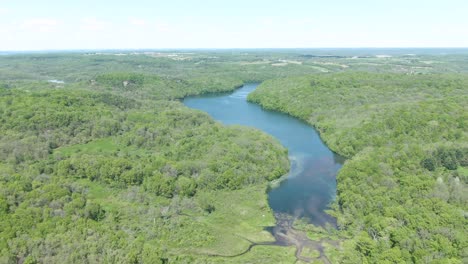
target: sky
<point>176,24</point>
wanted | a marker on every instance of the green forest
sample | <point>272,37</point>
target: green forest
<point>402,195</point>
<point>88,176</point>
<point>100,162</point>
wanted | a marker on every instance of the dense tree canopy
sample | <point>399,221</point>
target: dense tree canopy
<point>75,163</point>
<point>100,162</point>
<point>403,194</point>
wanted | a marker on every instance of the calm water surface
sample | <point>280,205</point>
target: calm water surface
<point>311,183</point>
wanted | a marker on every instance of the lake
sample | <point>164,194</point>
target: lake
<point>311,183</point>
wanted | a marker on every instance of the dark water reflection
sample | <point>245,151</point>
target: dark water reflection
<point>311,183</point>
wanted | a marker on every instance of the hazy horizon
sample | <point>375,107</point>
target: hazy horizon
<point>344,51</point>
<point>188,25</point>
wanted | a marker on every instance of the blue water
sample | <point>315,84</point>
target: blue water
<point>311,183</point>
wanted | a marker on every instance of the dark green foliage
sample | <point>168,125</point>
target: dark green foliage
<point>429,163</point>
<point>450,158</point>
<point>94,211</point>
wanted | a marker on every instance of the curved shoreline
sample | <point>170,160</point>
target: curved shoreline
<point>283,232</point>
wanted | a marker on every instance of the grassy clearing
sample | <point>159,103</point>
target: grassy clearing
<point>103,145</point>
<point>239,216</point>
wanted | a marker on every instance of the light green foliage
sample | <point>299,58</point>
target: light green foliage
<point>109,168</point>
<point>96,177</point>
<point>400,196</point>
<point>154,87</point>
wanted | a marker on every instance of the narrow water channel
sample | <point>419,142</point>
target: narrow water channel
<point>311,183</point>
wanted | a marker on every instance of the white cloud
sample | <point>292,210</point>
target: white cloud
<point>137,22</point>
<point>40,24</point>
<point>163,27</point>
<point>159,26</point>
<point>4,11</point>
<point>93,24</point>
<point>266,21</point>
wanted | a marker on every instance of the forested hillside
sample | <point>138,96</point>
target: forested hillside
<point>95,177</point>
<point>100,162</point>
<point>402,195</point>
